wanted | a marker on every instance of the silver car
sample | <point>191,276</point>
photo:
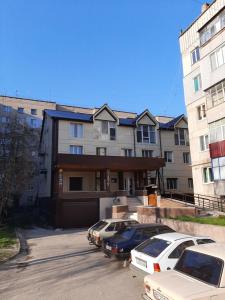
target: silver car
<point>106,228</point>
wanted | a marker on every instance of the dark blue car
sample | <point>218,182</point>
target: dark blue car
<point>124,241</point>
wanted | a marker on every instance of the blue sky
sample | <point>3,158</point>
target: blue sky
<point>89,52</point>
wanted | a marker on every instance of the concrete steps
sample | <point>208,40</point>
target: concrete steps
<point>132,203</point>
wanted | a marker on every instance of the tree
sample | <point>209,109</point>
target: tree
<point>17,163</point>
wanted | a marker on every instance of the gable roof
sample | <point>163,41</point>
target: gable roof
<point>145,112</point>
<point>108,109</point>
<point>171,124</point>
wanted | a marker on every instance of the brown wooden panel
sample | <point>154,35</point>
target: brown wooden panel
<point>79,213</point>
<point>115,163</point>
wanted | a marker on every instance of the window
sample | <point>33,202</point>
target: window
<point>5,119</point>
<point>76,130</point>
<point>168,155</point>
<point>153,247</point>
<point>212,28</point>
<point>197,83</point>
<point>195,55</point>
<point>101,151</point>
<point>29,198</point>
<point>147,153</point>
<point>218,165</point>
<point>217,131</point>
<point>186,157</point>
<point>76,149</point>
<point>201,112</point>
<point>190,183</point>
<point>6,108</point>
<point>193,263</point>
<point>30,187</point>
<point>20,110</point>
<point>109,128</point>
<point>181,137</point>
<point>207,175</point>
<point>215,95</point>
<point>146,134</point>
<point>127,152</point>
<point>171,183</point>
<point>204,241</point>
<point>204,142</point>
<point>33,123</point>
<point>111,227</point>
<point>179,249</point>
<point>217,58</point>
<point>33,111</point>
<point>75,183</point>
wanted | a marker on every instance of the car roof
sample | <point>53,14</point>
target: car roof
<point>147,225</point>
<point>213,249</point>
<point>118,220</point>
<point>175,236</point>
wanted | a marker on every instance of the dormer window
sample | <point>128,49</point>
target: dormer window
<point>109,128</point>
<point>146,134</point>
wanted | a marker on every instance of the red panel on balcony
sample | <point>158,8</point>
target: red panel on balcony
<point>217,149</point>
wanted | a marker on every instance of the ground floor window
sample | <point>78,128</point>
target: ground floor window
<point>218,168</point>
<point>190,183</point>
<point>171,183</point>
<point>207,175</point>
<point>75,183</point>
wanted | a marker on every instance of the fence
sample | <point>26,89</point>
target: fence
<point>200,201</point>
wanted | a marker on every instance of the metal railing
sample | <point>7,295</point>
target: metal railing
<point>199,201</point>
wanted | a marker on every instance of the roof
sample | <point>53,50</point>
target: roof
<point>117,220</point>
<point>147,225</point>
<point>213,249</point>
<point>185,30</point>
<point>174,236</point>
<point>29,99</point>
<point>69,115</point>
<point>170,125</point>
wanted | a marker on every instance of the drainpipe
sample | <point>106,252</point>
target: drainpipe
<point>161,154</point>
<point>134,136</point>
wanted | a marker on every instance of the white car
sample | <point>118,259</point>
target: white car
<point>198,275</point>
<point>107,228</point>
<point>161,252</point>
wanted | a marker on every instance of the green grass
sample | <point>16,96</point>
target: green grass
<point>7,237</point>
<point>203,220</point>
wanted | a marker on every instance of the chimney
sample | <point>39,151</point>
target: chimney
<point>204,7</point>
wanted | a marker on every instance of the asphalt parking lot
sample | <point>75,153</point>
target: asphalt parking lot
<point>62,265</point>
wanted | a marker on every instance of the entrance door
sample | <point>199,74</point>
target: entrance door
<point>129,183</point>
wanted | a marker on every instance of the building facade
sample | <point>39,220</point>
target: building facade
<point>123,134</point>
<point>90,159</point>
<point>30,112</point>
<point>202,47</point>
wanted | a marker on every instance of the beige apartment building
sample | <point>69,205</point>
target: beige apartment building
<point>89,160</point>
<point>28,111</point>
<point>160,136</point>
<point>202,47</point>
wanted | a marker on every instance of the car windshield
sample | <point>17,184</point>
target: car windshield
<point>200,266</point>
<point>153,247</point>
<point>99,226</point>
<point>127,233</point>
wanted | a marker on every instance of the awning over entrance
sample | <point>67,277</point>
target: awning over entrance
<point>114,163</point>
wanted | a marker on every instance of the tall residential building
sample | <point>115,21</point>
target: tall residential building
<point>30,112</point>
<point>202,47</point>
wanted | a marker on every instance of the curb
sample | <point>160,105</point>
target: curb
<point>21,246</point>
